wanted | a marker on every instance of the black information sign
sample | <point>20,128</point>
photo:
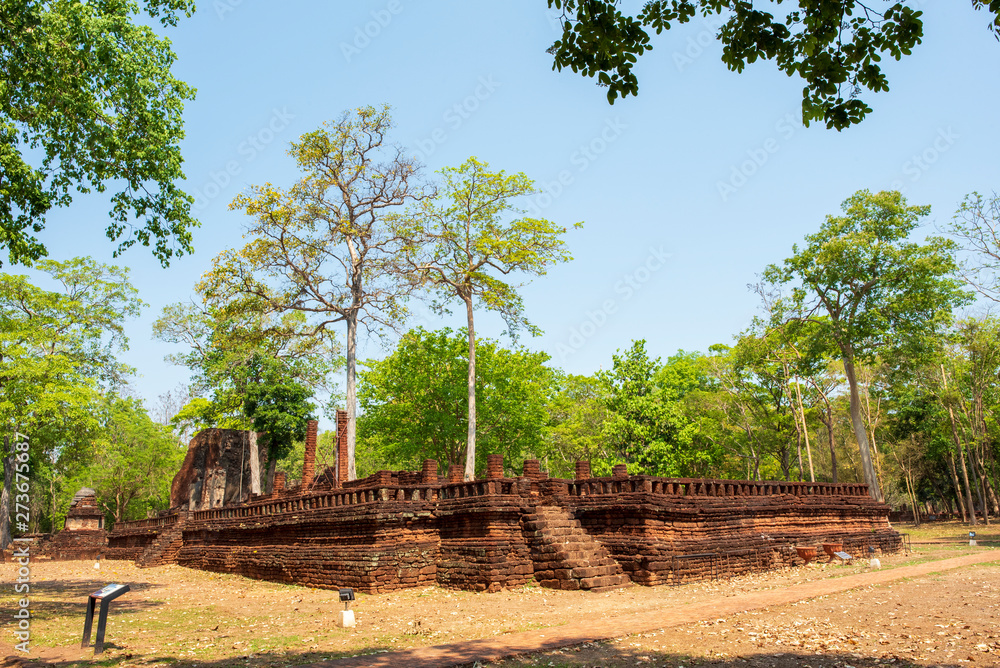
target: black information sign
<point>104,595</point>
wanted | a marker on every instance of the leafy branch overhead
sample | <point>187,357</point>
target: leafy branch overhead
<point>835,46</point>
<point>88,102</point>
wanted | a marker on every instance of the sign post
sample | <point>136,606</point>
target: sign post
<point>972,538</point>
<point>104,595</point>
<point>346,616</point>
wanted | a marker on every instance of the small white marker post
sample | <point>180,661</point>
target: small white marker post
<point>972,538</point>
<point>345,618</point>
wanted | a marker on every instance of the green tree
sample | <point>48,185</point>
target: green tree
<point>757,405</point>
<point>871,290</point>
<point>576,426</point>
<point>322,247</point>
<point>89,102</point>
<point>57,349</point>
<point>414,400</point>
<point>836,47</point>
<point>462,245</point>
<point>259,370</point>
<point>133,462</point>
<point>646,424</point>
<point>966,387</point>
<point>277,403</point>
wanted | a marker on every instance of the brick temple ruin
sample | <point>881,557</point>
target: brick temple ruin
<point>398,529</point>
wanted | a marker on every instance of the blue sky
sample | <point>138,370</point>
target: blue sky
<point>687,191</point>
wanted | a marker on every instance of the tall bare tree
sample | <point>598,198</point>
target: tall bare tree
<point>323,246</point>
<point>464,245</point>
<point>976,226</point>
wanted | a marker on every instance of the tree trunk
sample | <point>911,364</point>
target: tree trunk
<point>986,512</point>
<point>876,459</point>
<point>786,465</point>
<point>798,450</point>
<point>52,496</point>
<point>961,455</point>
<point>254,465</point>
<point>5,496</point>
<point>272,464</point>
<point>994,501</point>
<point>805,430</point>
<point>980,472</point>
<point>118,508</point>
<point>958,486</point>
<point>860,433</point>
<point>964,468</point>
<point>470,444</point>
<point>831,438</point>
<point>833,447</point>
<point>352,353</point>
<point>913,500</point>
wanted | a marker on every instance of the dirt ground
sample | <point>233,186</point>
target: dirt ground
<point>186,618</point>
<point>947,619</point>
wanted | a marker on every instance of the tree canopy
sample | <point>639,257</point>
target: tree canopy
<point>88,102</point>
<point>58,359</point>
<point>414,400</point>
<point>872,291</point>
<point>323,247</point>
<point>835,47</point>
<point>468,244</point>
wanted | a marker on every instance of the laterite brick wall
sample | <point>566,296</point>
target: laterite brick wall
<point>399,529</point>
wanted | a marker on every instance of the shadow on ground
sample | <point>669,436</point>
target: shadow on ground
<point>590,655</point>
<point>606,655</point>
<point>59,591</point>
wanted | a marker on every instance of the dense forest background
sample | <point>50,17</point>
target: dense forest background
<point>783,400</point>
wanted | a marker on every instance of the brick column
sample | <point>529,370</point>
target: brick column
<point>619,470</point>
<point>456,472</point>
<point>429,474</point>
<point>583,471</point>
<point>494,467</point>
<point>309,458</point>
<point>279,483</point>
<point>341,447</point>
<point>531,469</point>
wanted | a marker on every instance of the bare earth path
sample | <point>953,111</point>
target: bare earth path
<point>185,618</point>
<point>591,630</point>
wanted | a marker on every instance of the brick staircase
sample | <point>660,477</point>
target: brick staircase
<point>163,550</point>
<point>565,556</point>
